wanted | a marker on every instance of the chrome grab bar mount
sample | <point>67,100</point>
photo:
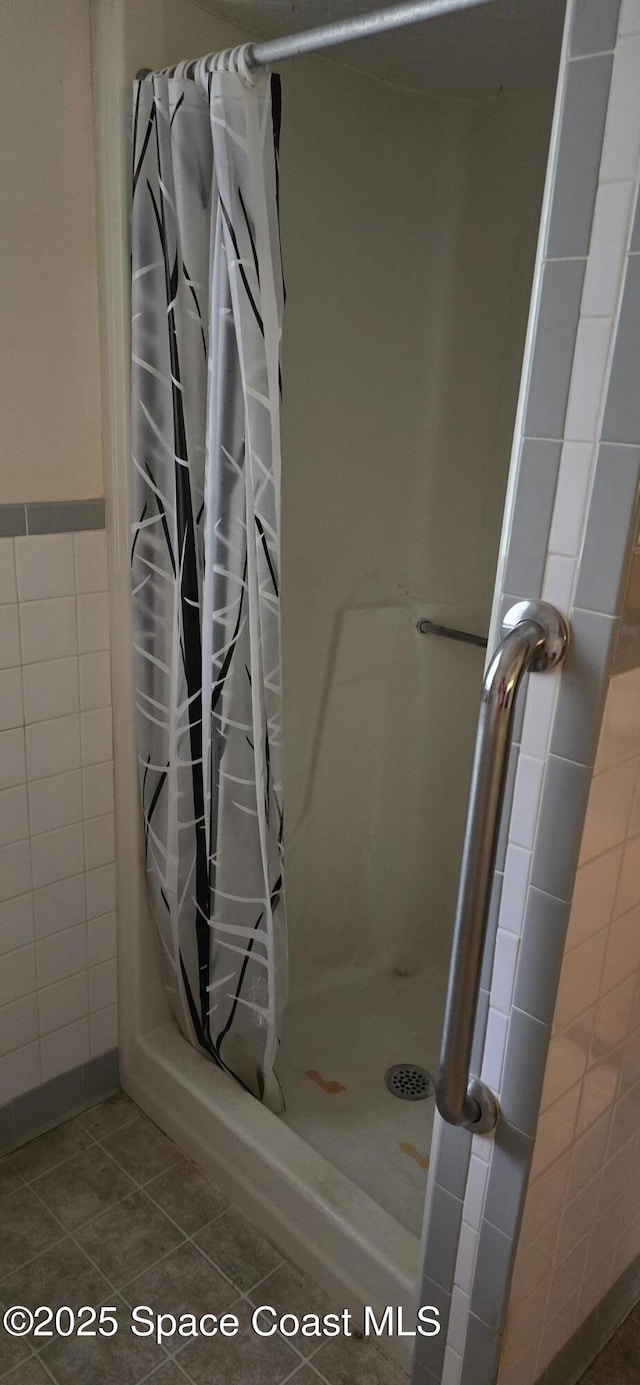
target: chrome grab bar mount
<point>535,638</point>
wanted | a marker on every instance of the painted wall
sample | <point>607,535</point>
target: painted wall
<point>49,366</point>
<point>408,271</point>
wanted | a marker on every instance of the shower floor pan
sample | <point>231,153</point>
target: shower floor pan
<point>313,1181</point>
<point>338,1042</point>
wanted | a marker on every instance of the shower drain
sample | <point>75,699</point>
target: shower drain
<point>409,1082</point>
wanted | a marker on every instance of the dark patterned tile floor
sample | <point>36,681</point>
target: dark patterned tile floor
<point>619,1363</point>
<point>105,1211</point>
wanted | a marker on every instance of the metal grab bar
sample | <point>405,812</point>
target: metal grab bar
<point>535,639</point>
<point>429,627</point>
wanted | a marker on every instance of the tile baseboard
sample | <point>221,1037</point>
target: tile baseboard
<point>42,1107</point>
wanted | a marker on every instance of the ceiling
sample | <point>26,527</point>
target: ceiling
<point>506,44</point>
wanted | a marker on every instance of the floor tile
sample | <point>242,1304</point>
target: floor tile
<point>12,1350</point>
<point>289,1291</point>
<point>110,1115</point>
<point>141,1149</point>
<point>30,1373</point>
<point>354,1361</point>
<point>238,1250</point>
<point>128,1238</point>
<point>184,1282</point>
<point>119,1360</point>
<point>27,1229</point>
<point>168,1375</point>
<point>242,1360</point>
<point>10,1180</point>
<point>60,1276</point>
<point>187,1197</point>
<point>46,1151</point>
<point>83,1186</point>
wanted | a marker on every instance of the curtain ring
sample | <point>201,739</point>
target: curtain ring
<point>244,71</point>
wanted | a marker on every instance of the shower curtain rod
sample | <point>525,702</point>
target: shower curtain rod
<point>339,31</point>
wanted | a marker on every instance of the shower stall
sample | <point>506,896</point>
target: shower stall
<point>412,176</point>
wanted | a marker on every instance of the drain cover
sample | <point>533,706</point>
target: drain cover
<point>409,1082</point>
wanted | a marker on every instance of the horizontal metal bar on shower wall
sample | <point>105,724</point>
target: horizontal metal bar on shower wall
<point>360,26</point>
<point>339,31</point>
<point>429,627</point>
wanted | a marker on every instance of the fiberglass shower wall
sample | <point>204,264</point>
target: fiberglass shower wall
<point>409,226</point>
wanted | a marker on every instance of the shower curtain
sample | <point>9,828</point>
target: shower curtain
<point>207,298</point>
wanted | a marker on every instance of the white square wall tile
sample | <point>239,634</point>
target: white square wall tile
<point>505,961</point>
<point>526,801</point>
<point>93,623</point>
<point>538,717</point>
<point>17,974</point>
<point>95,680</point>
<point>97,789</point>
<point>15,870</point>
<point>44,566</point>
<point>16,923</point>
<point>477,1180</point>
<point>59,906</point>
<point>63,1003</point>
<point>53,747</point>
<point>12,758</point>
<point>593,896</point>
<point>96,735</point>
<point>580,980</point>
<point>101,939</point>
<point>608,810</point>
<point>10,698</point>
<point>101,891</point>
<point>48,629</point>
<point>104,1030</point>
<point>628,891</point>
<point>558,583</point>
<point>55,801</point>
<point>8,591</point>
<point>99,845</point>
<point>65,1049</point>
<point>18,1024</point>
<point>494,1048</point>
<point>607,249</point>
<point>514,889</point>
<point>51,689</point>
<point>587,379</point>
<point>466,1258</point>
<point>9,637</point>
<point>19,1072</point>
<point>61,955</point>
<point>14,819</point>
<point>57,855</point>
<point>570,503</point>
<point>103,985</point>
<point>91,561</point>
<point>622,132</point>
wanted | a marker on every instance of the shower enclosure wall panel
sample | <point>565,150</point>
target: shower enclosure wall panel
<point>408,229</point>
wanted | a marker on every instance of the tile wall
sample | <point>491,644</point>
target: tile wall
<point>577,468</point>
<point>57,885</point>
<point>581,1226</point>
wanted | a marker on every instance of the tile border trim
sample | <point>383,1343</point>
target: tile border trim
<point>51,517</point>
<point>52,1102</point>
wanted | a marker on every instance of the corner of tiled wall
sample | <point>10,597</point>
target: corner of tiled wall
<point>57,890</point>
<point>570,515</point>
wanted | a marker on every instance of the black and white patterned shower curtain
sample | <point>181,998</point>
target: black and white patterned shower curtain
<point>207,298</point>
